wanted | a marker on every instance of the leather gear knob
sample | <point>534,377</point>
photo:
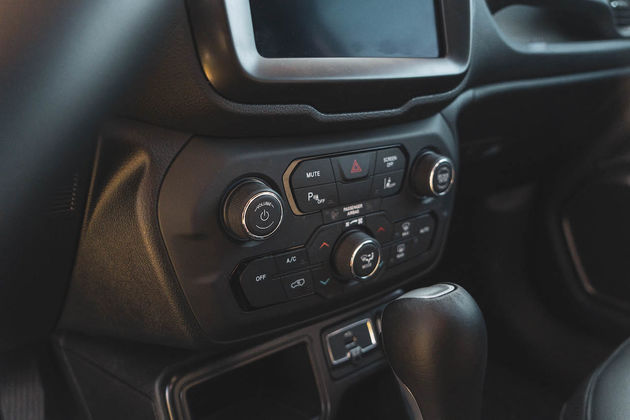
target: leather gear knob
<point>436,343</point>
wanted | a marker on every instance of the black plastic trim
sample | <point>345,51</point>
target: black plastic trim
<point>225,41</point>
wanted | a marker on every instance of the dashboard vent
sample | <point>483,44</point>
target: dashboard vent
<point>64,198</point>
<point>621,12</point>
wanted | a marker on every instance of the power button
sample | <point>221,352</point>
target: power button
<point>252,210</point>
<point>263,214</point>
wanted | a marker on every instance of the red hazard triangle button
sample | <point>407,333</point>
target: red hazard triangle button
<point>351,167</point>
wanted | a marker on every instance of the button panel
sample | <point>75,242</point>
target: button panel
<point>358,177</point>
<point>351,192</point>
<point>305,271</point>
<point>210,256</point>
<point>412,237</point>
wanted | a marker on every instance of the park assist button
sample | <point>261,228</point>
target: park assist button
<point>389,160</point>
<point>258,284</point>
<point>263,214</point>
<point>353,167</point>
<point>316,198</point>
<point>312,172</point>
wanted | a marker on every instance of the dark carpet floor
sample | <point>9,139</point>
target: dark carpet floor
<point>512,396</point>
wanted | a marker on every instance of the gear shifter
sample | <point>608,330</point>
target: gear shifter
<point>435,341</point>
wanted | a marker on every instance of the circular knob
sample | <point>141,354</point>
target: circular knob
<point>252,210</point>
<point>357,256</point>
<point>432,175</point>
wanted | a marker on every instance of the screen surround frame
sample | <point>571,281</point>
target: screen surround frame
<point>224,33</point>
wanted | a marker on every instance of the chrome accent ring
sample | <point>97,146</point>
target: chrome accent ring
<point>373,342</point>
<point>435,166</point>
<point>246,207</point>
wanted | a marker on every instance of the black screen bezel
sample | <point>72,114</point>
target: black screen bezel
<point>226,47</point>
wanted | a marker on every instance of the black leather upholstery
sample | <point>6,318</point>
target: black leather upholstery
<point>606,394</point>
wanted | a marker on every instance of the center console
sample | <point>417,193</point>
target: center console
<point>267,233</point>
<point>357,239</point>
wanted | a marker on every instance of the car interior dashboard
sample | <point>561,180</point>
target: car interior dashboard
<point>280,209</point>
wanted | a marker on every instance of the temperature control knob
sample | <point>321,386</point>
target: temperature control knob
<point>432,175</point>
<point>357,256</point>
<point>252,210</point>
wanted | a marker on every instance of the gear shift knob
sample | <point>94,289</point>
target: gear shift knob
<point>436,344</point>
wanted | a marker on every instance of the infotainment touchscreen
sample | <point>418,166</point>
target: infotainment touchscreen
<point>346,28</point>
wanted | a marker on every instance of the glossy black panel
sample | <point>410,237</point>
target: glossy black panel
<point>332,28</point>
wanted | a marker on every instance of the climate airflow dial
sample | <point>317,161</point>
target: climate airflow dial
<point>357,256</point>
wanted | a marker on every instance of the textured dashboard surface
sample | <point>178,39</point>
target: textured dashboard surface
<point>122,283</point>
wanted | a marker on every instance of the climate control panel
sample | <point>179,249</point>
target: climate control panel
<point>263,233</point>
<point>336,257</point>
<point>357,240</point>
